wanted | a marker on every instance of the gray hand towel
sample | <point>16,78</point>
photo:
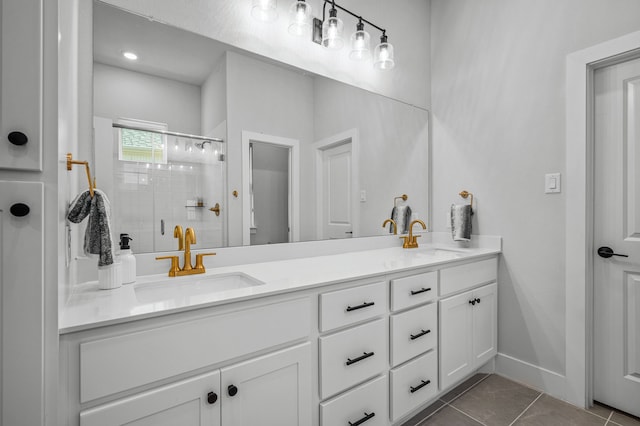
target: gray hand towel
<point>401,215</point>
<point>97,239</point>
<point>461,222</point>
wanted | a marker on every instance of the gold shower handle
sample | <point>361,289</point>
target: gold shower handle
<point>216,209</point>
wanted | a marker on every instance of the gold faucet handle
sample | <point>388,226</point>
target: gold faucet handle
<point>199,256</point>
<point>175,268</point>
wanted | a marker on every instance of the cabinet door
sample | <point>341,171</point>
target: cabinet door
<point>274,389</point>
<point>192,402</point>
<point>485,324</point>
<point>456,339</point>
<point>21,84</point>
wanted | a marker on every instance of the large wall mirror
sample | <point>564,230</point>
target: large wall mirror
<point>241,148</point>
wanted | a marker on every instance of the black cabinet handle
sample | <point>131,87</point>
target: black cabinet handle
<point>422,333</point>
<point>18,138</point>
<point>212,397</point>
<point>607,252</point>
<point>420,386</point>
<point>473,302</point>
<point>422,290</point>
<point>364,419</point>
<point>364,305</point>
<point>360,358</point>
<point>233,390</point>
<point>478,300</point>
<point>19,209</point>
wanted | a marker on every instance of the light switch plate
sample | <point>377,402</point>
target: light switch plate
<point>552,183</point>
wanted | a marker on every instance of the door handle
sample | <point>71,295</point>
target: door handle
<point>607,252</point>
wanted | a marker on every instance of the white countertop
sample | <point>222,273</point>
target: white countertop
<point>88,307</point>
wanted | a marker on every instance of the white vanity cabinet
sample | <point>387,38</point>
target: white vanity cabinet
<point>144,374</point>
<point>468,320</point>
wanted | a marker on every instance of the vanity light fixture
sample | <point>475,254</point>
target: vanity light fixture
<point>130,56</point>
<point>264,10</point>
<point>332,30</point>
<point>360,43</point>
<point>300,18</point>
<point>383,58</point>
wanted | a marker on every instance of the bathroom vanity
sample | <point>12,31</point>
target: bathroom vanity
<point>365,337</point>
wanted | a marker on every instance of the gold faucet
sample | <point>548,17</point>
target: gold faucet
<point>410,241</point>
<point>393,222</point>
<point>184,243</point>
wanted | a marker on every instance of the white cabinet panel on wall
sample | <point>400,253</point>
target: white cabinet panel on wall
<point>192,402</point>
<point>21,278</point>
<point>21,85</point>
<point>468,332</point>
<point>274,389</point>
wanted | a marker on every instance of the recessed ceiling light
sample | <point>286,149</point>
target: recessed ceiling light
<point>130,56</point>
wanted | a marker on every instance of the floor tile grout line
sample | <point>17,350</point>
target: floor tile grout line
<point>466,390</point>
<point>525,410</point>
<point>471,417</point>
<point>430,415</point>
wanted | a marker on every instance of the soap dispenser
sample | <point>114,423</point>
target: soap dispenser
<point>127,259</point>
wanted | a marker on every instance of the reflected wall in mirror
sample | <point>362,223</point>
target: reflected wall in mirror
<point>354,150</point>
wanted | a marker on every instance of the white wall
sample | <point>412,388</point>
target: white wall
<point>264,98</point>
<point>231,22</point>
<point>214,99</point>
<point>393,159</point>
<point>120,93</point>
<point>498,87</point>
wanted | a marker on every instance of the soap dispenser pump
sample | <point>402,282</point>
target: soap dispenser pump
<point>127,259</point>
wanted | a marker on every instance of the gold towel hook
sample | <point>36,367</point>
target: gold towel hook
<point>404,197</point>
<point>465,194</point>
<point>71,162</point>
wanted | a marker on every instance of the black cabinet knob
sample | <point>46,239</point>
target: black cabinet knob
<point>478,300</point>
<point>19,209</point>
<point>18,138</point>
<point>233,390</point>
<point>472,302</point>
<point>212,397</point>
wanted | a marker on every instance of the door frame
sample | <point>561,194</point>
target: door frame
<point>294,182</point>
<point>332,142</point>
<point>579,223</point>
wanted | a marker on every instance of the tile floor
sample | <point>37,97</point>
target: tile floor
<point>492,400</point>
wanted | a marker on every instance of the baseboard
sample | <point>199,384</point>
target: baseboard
<point>531,375</point>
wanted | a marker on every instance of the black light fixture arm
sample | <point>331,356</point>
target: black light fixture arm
<point>337,6</point>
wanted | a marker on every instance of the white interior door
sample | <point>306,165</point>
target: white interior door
<point>336,192</point>
<point>617,227</point>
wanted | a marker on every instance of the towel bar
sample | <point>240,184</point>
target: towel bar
<point>465,194</point>
<point>404,197</point>
<point>71,162</point>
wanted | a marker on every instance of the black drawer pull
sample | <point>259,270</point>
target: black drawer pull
<point>19,209</point>
<point>232,390</point>
<point>477,300</point>
<point>364,419</point>
<point>364,305</point>
<point>360,358</point>
<point>212,397</point>
<point>422,333</point>
<point>420,386</point>
<point>473,302</point>
<point>18,138</point>
<point>422,290</point>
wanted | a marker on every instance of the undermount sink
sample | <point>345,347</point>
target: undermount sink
<point>444,253</point>
<point>195,288</point>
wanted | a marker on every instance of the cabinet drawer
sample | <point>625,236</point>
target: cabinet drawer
<point>413,290</point>
<point>413,332</point>
<point>465,276</point>
<point>369,400</point>
<point>413,384</point>
<point>123,362</point>
<point>344,307</point>
<point>352,356</point>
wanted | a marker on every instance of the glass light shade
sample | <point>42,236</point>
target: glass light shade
<point>332,30</point>
<point>360,46</point>
<point>299,18</point>
<point>264,10</point>
<point>383,56</point>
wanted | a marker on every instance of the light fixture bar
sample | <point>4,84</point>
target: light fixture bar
<point>337,6</point>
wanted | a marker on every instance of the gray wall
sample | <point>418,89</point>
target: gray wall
<point>498,98</point>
